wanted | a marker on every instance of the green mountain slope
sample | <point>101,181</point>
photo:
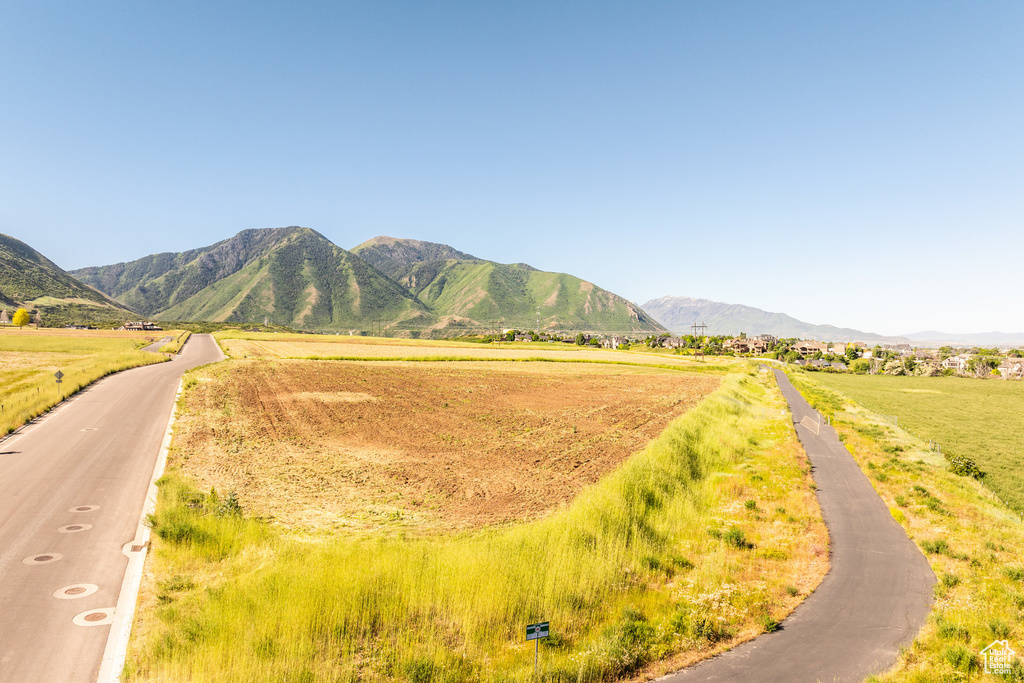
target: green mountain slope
<point>30,280</point>
<point>153,284</point>
<point>290,276</point>
<point>461,289</point>
<point>394,257</point>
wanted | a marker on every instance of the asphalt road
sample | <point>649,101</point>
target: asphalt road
<point>72,488</point>
<point>874,599</point>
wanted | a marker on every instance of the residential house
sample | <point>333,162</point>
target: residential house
<point>768,339</point>
<point>737,345</point>
<point>1012,368</point>
<point>837,349</point>
<point>957,363</point>
<point>809,348</point>
<point>613,342</point>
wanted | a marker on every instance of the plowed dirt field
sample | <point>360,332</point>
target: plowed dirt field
<point>422,445</point>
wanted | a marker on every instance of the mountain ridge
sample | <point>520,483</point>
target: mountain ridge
<point>454,283</point>
<point>292,276</point>
<point>679,313</point>
<point>297,277</point>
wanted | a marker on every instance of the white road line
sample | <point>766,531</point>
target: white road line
<point>116,650</point>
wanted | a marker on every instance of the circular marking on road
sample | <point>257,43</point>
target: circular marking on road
<point>75,591</point>
<point>43,558</point>
<point>89,429</point>
<point>94,617</point>
<point>84,508</point>
<point>73,528</point>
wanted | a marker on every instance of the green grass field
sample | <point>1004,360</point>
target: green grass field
<point>980,419</point>
<point>705,538</point>
<point>29,358</point>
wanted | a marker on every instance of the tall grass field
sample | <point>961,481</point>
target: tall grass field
<point>707,537</point>
<point>979,418</point>
<point>29,358</point>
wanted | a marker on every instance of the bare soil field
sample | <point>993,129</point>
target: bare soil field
<point>421,445</point>
<point>359,348</point>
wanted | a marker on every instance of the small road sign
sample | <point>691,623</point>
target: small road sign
<point>535,631</point>
<point>59,375</point>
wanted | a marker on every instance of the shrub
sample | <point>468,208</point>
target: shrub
<point>950,580</point>
<point>1014,573</point>
<point>999,628</point>
<point>768,623</point>
<point>961,658</point>
<point>937,547</point>
<point>629,643</point>
<point>737,539</point>
<point>950,631</point>
<point>964,466</point>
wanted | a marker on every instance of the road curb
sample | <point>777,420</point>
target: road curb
<point>116,650</point>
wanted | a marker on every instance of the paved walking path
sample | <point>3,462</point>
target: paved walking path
<point>874,599</point>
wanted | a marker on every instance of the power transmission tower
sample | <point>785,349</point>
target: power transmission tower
<point>699,351</point>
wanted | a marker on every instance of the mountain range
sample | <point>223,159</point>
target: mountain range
<point>679,313</point>
<point>295,276</point>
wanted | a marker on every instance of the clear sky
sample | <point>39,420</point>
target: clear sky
<point>852,163</point>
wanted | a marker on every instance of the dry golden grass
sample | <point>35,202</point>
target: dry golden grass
<point>29,358</point>
<point>349,349</point>
<point>317,443</point>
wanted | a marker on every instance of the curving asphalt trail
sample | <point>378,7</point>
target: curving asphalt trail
<point>874,599</point>
<point>72,487</point>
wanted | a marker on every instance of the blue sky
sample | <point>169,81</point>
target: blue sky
<point>854,163</point>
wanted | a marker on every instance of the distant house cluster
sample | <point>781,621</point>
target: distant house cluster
<point>140,326</point>
<point>851,356</point>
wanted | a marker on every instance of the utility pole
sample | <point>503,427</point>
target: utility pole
<point>699,352</point>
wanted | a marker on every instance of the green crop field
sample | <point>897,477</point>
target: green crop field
<point>977,418</point>
<point>29,358</point>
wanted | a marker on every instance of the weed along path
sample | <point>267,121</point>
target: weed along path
<point>874,599</point>
<point>72,488</point>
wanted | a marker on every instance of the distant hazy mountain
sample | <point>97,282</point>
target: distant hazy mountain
<point>969,339</point>
<point>457,286</point>
<point>292,276</point>
<point>678,313</point>
<point>30,280</point>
